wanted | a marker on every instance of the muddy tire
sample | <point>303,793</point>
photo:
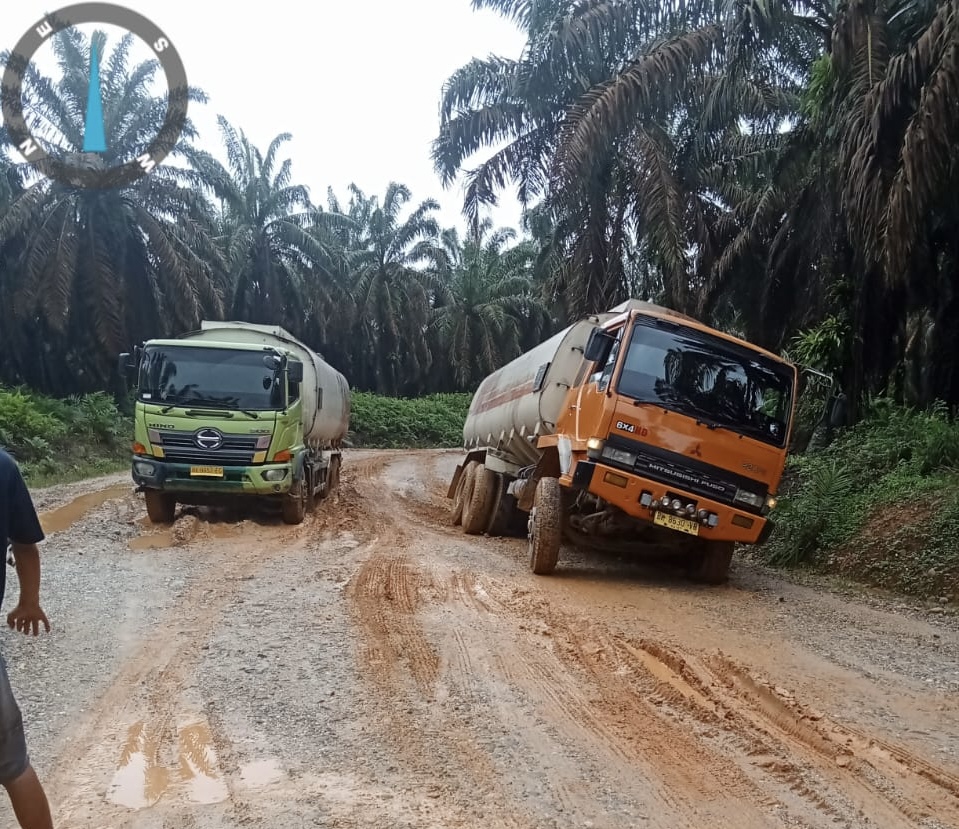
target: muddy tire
<point>502,509</point>
<point>710,564</point>
<point>477,509</point>
<point>161,506</point>
<point>333,476</point>
<point>464,491</point>
<point>545,527</point>
<point>295,503</point>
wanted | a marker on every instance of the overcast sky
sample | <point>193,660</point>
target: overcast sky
<point>356,82</point>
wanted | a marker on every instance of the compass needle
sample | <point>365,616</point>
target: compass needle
<point>90,163</point>
<point>94,137</point>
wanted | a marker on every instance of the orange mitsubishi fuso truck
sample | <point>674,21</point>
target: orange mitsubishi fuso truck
<point>635,429</point>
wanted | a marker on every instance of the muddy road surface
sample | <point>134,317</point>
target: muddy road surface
<point>374,667</point>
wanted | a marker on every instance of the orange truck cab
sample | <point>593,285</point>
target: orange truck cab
<point>639,428</point>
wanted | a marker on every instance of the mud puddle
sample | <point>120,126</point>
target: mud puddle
<point>149,768</point>
<point>64,517</point>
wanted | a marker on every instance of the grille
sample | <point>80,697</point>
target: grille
<point>690,475</point>
<point>237,450</point>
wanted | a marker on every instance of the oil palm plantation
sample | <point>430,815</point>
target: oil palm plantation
<point>274,241</point>
<point>392,288</point>
<point>95,269</point>
<point>486,309</point>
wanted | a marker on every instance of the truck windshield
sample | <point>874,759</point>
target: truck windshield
<point>709,379</point>
<point>208,377</point>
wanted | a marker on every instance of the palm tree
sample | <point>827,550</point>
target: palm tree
<point>95,269</point>
<point>486,306</point>
<point>271,233</point>
<point>391,294</point>
<point>531,105</point>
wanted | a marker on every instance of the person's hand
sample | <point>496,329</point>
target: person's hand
<point>26,616</point>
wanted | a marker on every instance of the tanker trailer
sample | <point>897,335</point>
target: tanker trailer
<point>636,429</point>
<point>235,409</point>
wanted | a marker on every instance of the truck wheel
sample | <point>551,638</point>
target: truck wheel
<point>161,506</point>
<point>464,491</point>
<point>545,533</point>
<point>504,505</point>
<point>334,474</point>
<point>294,503</point>
<point>476,510</point>
<point>710,565</point>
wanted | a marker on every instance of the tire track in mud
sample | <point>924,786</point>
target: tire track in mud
<point>149,705</point>
<point>728,748</point>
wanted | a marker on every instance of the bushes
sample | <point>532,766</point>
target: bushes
<point>398,423</point>
<point>61,439</point>
<point>881,503</point>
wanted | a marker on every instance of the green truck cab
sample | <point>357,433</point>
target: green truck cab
<point>235,410</point>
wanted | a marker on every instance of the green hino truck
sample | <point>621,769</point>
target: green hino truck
<point>235,410</point>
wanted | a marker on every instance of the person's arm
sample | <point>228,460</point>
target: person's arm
<point>28,614</point>
<point>25,534</point>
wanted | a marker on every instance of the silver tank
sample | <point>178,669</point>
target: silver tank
<point>524,399</point>
<point>324,391</point>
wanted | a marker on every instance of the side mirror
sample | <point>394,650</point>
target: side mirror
<point>598,346</point>
<point>295,369</point>
<point>123,363</point>
<point>838,411</point>
<point>272,362</point>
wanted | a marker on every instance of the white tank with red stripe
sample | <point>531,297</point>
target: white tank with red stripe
<point>524,399</point>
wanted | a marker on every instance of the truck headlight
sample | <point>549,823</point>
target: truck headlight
<point>274,474</point>
<point>744,496</point>
<point>771,501</point>
<point>144,468</point>
<point>619,456</point>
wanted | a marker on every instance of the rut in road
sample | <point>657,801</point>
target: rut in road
<point>150,742</point>
<point>713,743</point>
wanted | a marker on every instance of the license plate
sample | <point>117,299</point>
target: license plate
<point>674,522</point>
<point>206,471</point>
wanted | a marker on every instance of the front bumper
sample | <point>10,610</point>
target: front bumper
<point>634,495</point>
<point>152,473</point>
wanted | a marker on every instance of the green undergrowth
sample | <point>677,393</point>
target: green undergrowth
<point>879,505</point>
<point>379,422</point>
<point>57,441</point>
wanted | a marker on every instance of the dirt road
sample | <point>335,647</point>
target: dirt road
<point>375,668</point>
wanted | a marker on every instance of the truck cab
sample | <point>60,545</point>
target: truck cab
<point>638,429</point>
<point>234,410</point>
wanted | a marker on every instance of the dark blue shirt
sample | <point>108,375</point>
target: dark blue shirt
<point>19,523</point>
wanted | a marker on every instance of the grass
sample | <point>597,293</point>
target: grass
<point>59,441</point>
<point>880,505</point>
<point>399,423</point>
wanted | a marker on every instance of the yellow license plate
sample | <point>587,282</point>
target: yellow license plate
<point>674,522</point>
<point>206,471</point>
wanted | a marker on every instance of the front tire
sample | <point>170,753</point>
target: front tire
<point>295,503</point>
<point>545,533</point>
<point>711,562</point>
<point>161,506</point>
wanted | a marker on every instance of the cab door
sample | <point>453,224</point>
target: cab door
<point>591,402</point>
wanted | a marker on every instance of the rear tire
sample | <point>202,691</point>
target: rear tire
<point>161,506</point>
<point>545,533</point>
<point>464,491</point>
<point>710,564</point>
<point>476,511</point>
<point>295,503</point>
